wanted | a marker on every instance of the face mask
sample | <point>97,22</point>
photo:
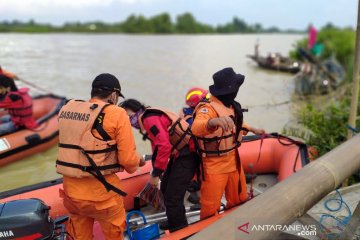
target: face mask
<point>134,119</point>
<point>228,99</point>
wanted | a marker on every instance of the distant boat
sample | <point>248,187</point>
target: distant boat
<point>277,62</point>
<point>24,142</point>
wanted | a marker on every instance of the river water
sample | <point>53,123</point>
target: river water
<point>158,70</point>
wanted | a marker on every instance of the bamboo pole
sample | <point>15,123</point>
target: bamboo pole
<point>289,199</point>
<point>355,87</point>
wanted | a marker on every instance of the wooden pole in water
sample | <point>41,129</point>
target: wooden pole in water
<point>289,199</point>
<point>355,85</point>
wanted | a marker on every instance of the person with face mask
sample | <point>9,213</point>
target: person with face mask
<point>218,127</point>
<point>174,158</point>
<point>95,142</point>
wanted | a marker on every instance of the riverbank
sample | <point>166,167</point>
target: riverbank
<point>158,24</point>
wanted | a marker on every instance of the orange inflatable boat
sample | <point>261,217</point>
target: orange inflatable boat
<point>25,142</point>
<point>272,153</point>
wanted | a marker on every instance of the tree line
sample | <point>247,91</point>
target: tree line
<point>159,24</point>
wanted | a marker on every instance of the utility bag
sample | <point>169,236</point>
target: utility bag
<point>147,232</point>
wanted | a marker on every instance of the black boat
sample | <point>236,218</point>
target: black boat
<point>277,62</point>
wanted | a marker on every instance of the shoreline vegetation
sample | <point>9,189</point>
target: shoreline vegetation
<point>138,24</point>
<point>323,119</point>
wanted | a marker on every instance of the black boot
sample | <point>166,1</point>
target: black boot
<point>164,225</point>
<point>194,198</point>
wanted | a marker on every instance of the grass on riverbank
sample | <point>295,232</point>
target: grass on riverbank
<point>322,121</point>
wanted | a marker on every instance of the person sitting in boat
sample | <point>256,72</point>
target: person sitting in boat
<point>7,83</point>
<point>273,59</point>
<point>18,105</point>
<point>173,158</point>
<point>218,127</point>
<point>192,98</point>
<point>95,142</point>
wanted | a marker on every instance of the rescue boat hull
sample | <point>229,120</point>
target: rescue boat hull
<point>271,153</point>
<point>25,142</point>
<point>266,154</point>
<point>48,191</point>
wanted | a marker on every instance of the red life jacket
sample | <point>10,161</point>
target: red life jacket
<point>179,129</point>
<point>21,116</point>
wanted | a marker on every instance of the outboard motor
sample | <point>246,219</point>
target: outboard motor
<point>26,219</point>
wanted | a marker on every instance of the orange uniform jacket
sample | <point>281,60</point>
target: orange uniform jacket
<point>117,125</point>
<point>218,164</point>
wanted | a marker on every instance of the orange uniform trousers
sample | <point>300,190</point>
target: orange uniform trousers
<point>214,186</point>
<point>109,213</point>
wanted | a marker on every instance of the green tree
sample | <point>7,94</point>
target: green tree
<point>137,24</point>
<point>240,25</point>
<point>258,27</point>
<point>162,23</point>
<point>186,23</point>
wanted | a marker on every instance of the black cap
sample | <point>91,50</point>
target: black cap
<point>226,81</point>
<point>107,81</point>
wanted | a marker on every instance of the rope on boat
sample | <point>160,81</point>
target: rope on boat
<point>34,86</point>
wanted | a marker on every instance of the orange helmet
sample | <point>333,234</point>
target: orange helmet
<point>194,95</point>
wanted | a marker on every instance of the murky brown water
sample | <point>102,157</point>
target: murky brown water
<point>157,70</point>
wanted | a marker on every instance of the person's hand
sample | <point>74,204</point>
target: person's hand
<point>258,131</point>
<point>225,122</point>
<point>142,161</point>
<point>154,181</point>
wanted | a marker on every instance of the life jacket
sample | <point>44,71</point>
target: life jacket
<point>81,154</point>
<point>21,116</point>
<point>179,129</point>
<point>218,143</point>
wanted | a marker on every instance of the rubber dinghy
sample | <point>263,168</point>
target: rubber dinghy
<point>272,153</point>
<point>25,142</point>
<point>48,191</point>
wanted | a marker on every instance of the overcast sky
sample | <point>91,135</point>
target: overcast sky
<point>281,13</point>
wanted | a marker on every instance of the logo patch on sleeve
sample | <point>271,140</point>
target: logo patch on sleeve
<point>204,110</point>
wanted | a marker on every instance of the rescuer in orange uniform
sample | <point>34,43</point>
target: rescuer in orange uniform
<point>218,127</point>
<point>95,142</point>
